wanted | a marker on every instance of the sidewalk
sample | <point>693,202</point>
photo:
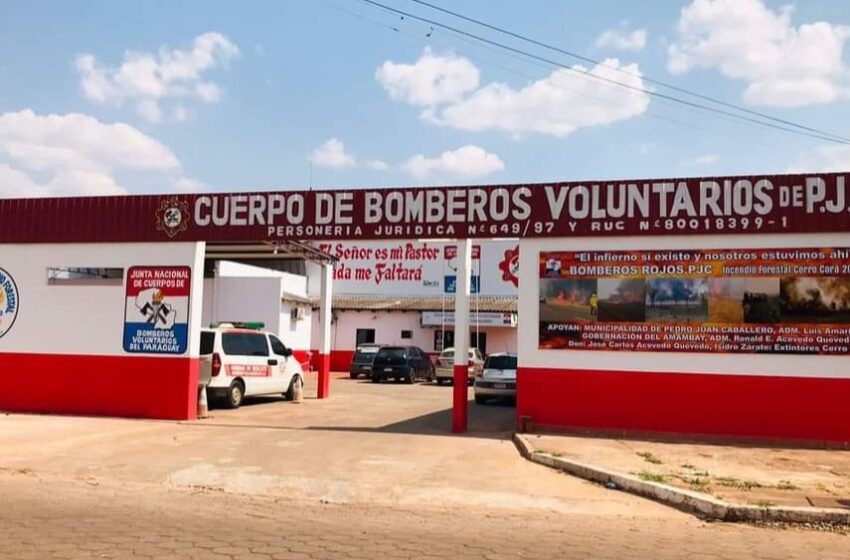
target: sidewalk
<point>744,475</point>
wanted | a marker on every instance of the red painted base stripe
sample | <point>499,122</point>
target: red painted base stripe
<point>789,408</point>
<point>131,386</point>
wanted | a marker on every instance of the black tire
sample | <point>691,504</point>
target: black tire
<point>290,393</point>
<point>235,394</point>
<point>353,375</point>
<point>376,379</point>
<point>440,381</point>
<point>410,378</point>
<point>480,399</point>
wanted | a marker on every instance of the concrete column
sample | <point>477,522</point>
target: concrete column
<point>460,404</point>
<point>325,308</point>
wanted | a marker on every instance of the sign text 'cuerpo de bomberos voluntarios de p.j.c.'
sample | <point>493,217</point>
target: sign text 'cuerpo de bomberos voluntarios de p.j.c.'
<point>717,205</point>
<point>664,207</point>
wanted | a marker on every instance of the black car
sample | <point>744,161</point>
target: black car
<point>402,363</point>
<point>361,363</point>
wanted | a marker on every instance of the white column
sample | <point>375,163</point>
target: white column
<point>325,315</point>
<point>460,400</point>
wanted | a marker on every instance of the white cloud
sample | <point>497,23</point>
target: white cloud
<point>557,105</point>
<point>704,159</point>
<point>467,161</point>
<point>430,80</point>
<point>823,159</point>
<point>783,65</point>
<point>75,154</point>
<point>377,165</point>
<point>627,41</point>
<point>332,154</point>
<point>147,79</point>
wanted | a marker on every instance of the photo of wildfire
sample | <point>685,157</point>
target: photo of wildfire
<point>676,300</point>
<point>568,299</point>
<point>814,300</point>
<point>622,299</point>
<point>743,300</point>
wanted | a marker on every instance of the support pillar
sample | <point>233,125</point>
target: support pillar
<point>325,317</point>
<point>460,404</point>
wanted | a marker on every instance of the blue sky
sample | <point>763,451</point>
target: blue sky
<point>113,97</point>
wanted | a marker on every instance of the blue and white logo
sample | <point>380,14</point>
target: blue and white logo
<point>9,302</point>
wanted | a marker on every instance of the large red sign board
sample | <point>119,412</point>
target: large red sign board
<point>713,205</point>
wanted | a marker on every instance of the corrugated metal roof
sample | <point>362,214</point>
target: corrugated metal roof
<point>385,303</point>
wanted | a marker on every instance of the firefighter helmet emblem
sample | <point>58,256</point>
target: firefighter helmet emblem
<point>172,216</point>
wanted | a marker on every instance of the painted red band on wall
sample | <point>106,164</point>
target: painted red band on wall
<point>789,408</point>
<point>133,386</point>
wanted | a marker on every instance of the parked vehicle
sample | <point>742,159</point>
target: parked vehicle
<point>446,363</point>
<point>361,363</point>
<point>497,378</point>
<point>401,363</point>
<point>242,360</point>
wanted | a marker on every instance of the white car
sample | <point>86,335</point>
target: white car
<point>240,361</point>
<point>446,364</point>
<point>497,379</point>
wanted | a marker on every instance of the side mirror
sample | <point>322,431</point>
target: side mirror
<point>287,352</point>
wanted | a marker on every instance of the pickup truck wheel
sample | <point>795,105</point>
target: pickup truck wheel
<point>353,375</point>
<point>410,378</point>
<point>290,393</point>
<point>376,379</point>
<point>235,394</point>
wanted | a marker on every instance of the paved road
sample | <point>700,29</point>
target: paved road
<point>251,484</point>
<point>47,518</point>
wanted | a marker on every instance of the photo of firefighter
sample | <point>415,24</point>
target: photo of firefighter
<point>676,300</point>
<point>814,300</point>
<point>743,300</point>
<point>568,299</point>
<point>622,300</point>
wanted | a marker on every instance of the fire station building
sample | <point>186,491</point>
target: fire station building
<point>704,306</point>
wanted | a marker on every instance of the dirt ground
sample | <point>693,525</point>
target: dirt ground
<point>750,474</point>
<point>370,473</point>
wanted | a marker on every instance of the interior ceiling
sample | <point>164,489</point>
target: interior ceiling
<point>268,250</point>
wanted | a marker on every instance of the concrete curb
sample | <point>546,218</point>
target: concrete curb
<point>701,505</point>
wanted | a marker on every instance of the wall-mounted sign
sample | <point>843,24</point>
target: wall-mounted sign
<point>483,319</point>
<point>674,206</point>
<point>765,301</point>
<point>9,302</point>
<point>415,268</point>
<point>450,253</point>
<point>156,319</point>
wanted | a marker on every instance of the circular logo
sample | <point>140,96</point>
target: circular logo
<point>9,302</point>
<point>172,218</point>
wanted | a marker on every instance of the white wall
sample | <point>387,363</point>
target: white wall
<point>389,324</point>
<point>249,293</point>
<point>87,319</point>
<point>750,364</point>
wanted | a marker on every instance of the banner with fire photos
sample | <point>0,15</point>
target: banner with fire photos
<point>772,301</point>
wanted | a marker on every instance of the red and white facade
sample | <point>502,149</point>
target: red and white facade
<point>65,353</point>
<point>794,397</point>
<point>63,346</point>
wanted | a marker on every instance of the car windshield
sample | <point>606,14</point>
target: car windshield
<point>448,354</point>
<point>393,352</point>
<point>500,362</point>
